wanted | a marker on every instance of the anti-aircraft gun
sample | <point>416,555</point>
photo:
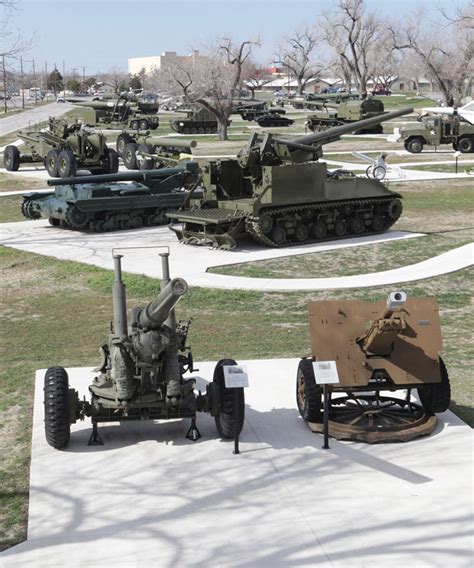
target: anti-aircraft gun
<point>141,375</point>
<point>277,192</point>
<point>125,200</point>
<point>376,347</point>
<point>64,147</point>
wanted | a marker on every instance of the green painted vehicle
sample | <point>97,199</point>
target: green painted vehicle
<point>436,131</point>
<point>112,202</point>
<point>331,114</point>
<point>198,120</point>
<point>279,193</point>
<point>64,148</point>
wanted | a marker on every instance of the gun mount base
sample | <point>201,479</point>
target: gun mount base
<point>374,419</point>
<point>193,433</point>
<point>95,438</point>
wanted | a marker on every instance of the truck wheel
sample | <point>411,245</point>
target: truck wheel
<point>466,145</point>
<point>134,124</point>
<point>226,424</point>
<point>143,124</point>
<point>67,165</point>
<point>308,394</point>
<point>436,397</point>
<point>141,162</point>
<point>122,141</point>
<point>129,156</point>
<point>51,163</point>
<point>11,158</point>
<point>111,161</point>
<point>414,145</point>
<point>56,407</point>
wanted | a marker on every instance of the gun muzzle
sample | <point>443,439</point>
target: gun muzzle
<point>155,314</point>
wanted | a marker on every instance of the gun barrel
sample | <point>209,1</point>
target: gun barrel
<point>154,315</point>
<point>170,142</point>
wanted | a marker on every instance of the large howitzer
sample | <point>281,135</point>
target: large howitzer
<point>63,148</point>
<point>277,192</point>
<point>141,374</point>
<point>329,114</point>
<point>107,203</point>
<point>142,151</point>
<point>198,120</point>
<point>375,347</point>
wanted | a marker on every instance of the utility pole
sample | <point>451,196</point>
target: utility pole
<point>4,84</point>
<point>34,83</point>
<point>22,83</point>
<point>46,75</point>
<point>83,76</point>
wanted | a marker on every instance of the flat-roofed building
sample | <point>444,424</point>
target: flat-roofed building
<point>158,62</point>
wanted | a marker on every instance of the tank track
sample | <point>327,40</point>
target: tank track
<point>27,209</point>
<point>389,208</point>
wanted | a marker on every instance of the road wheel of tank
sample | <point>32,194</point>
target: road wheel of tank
<point>278,235</point>
<point>208,130</point>
<point>11,158</point>
<point>357,226</point>
<point>76,218</point>
<point>265,223</point>
<point>414,145</point>
<point>122,141</point>
<point>141,162</point>
<point>143,124</point>
<point>99,226</point>
<point>193,130</point>
<point>340,227</point>
<point>466,145</point>
<point>318,230</point>
<point>131,223</point>
<point>134,124</point>
<point>111,161</point>
<point>56,407</point>
<point>129,156</point>
<point>301,232</point>
<point>395,209</point>
<point>436,397</point>
<point>226,424</point>
<point>54,222</point>
<point>67,165</point>
<point>308,394</point>
<point>200,130</point>
<point>378,223</point>
<point>51,163</point>
<point>111,224</point>
<point>185,130</point>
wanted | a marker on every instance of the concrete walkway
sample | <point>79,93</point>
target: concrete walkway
<point>25,119</point>
<point>151,498</point>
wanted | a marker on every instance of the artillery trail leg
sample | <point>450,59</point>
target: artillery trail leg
<point>193,433</point>
<point>95,439</point>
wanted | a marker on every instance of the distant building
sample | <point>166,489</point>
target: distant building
<point>157,62</point>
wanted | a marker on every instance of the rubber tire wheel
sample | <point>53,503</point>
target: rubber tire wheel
<point>56,407</point>
<point>129,157</point>
<point>395,209</point>
<point>357,226</point>
<point>415,145</point>
<point>466,145</point>
<point>225,422</point>
<point>112,161</point>
<point>51,163</point>
<point>340,227</point>
<point>67,165</point>
<point>265,223</point>
<point>122,141</point>
<point>318,230</point>
<point>134,124</point>
<point>278,235</point>
<point>309,404</point>
<point>11,158</point>
<point>378,223</point>
<point>143,124</point>
<point>301,233</point>
<point>145,164</point>
<point>436,397</point>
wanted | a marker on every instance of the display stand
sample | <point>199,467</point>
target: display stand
<point>235,377</point>
<point>325,373</point>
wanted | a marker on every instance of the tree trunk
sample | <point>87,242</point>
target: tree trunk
<point>222,128</point>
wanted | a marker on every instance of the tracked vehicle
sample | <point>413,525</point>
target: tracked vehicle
<point>328,115</point>
<point>198,120</point>
<point>112,202</point>
<point>278,193</point>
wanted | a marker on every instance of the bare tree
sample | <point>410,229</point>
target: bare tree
<point>255,76</point>
<point>447,53</point>
<point>115,78</point>
<point>296,56</point>
<point>353,34</point>
<point>183,75</point>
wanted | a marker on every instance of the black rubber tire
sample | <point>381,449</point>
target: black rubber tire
<point>436,397</point>
<point>318,230</point>
<point>308,393</point>
<point>357,226</point>
<point>225,421</point>
<point>414,145</point>
<point>56,407</point>
<point>143,124</point>
<point>122,141</point>
<point>301,232</point>
<point>145,164</point>
<point>11,158</point>
<point>340,227</point>
<point>278,235</point>
<point>129,157</point>
<point>67,165</point>
<point>466,145</point>
<point>51,163</point>
<point>112,161</point>
<point>134,124</point>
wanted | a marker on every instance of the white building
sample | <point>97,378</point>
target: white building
<point>157,62</point>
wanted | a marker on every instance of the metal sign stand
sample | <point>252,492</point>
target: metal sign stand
<point>326,417</point>
<point>236,419</point>
<point>236,378</point>
<point>325,373</point>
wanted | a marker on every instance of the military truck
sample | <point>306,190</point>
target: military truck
<point>278,193</point>
<point>346,112</point>
<point>63,148</point>
<point>436,130</point>
<point>141,375</point>
<point>198,120</point>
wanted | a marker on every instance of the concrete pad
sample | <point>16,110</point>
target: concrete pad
<point>149,497</point>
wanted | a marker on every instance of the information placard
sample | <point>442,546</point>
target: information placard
<point>235,376</point>
<point>325,372</point>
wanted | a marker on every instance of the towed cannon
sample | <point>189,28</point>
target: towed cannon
<point>375,348</point>
<point>278,193</point>
<point>141,374</point>
<point>125,200</point>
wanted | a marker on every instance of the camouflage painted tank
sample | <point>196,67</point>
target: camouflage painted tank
<point>198,120</point>
<point>331,114</point>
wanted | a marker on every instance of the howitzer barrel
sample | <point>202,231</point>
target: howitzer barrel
<point>101,104</point>
<point>170,142</point>
<point>154,315</point>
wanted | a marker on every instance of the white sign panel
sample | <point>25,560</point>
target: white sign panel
<point>325,372</point>
<point>235,376</point>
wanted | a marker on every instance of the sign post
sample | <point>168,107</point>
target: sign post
<point>236,377</point>
<point>325,373</point>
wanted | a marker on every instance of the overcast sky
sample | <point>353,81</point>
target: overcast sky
<point>100,34</point>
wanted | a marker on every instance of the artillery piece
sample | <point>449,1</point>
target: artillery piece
<point>198,120</point>
<point>376,348</point>
<point>64,147</point>
<point>334,113</point>
<point>141,375</point>
<point>277,192</point>
<point>105,203</point>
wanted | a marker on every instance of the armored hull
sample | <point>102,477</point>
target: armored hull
<point>331,115</point>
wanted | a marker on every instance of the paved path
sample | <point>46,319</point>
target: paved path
<point>149,497</point>
<point>29,117</point>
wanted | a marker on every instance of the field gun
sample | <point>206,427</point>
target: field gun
<point>279,193</point>
<point>141,373</point>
